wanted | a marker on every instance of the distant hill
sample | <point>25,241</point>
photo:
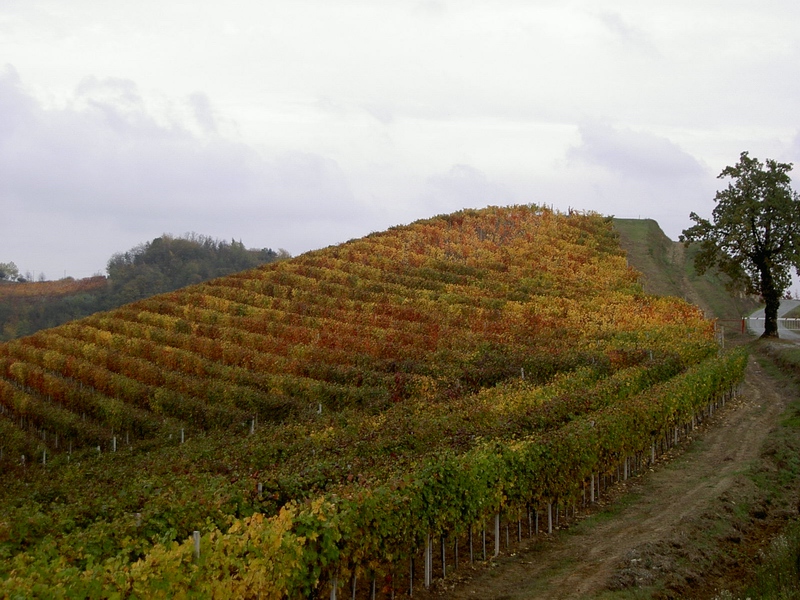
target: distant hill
<point>668,270</point>
<point>164,264</point>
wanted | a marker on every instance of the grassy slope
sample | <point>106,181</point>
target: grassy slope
<point>668,270</point>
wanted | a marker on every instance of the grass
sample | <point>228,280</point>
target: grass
<point>630,594</point>
<point>795,312</point>
<point>778,574</point>
<point>608,512</point>
<point>668,270</point>
<point>777,578</point>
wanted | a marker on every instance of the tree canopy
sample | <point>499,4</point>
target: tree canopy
<point>9,272</point>
<point>168,263</point>
<point>754,233</point>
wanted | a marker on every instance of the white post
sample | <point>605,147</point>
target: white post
<point>196,536</point>
<point>428,562</point>
<point>444,560</point>
<point>549,517</point>
<point>471,547</point>
<point>114,443</point>
<point>497,534</point>
<point>334,585</point>
<point>182,436</point>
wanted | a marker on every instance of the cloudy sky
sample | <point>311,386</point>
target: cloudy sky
<point>304,123</point>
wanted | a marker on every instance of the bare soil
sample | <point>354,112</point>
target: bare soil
<point>688,527</point>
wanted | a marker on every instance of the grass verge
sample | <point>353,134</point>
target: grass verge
<point>778,574</point>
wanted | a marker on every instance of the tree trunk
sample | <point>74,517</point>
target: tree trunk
<point>772,299</point>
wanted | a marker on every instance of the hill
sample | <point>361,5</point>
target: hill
<point>667,269</point>
<point>317,418</point>
<point>168,263</point>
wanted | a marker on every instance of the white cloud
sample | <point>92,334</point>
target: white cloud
<point>637,174</point>
<point>464,186</point>
<point>203,112</point>
<point>629,35</point>
<point>634,154</point>
<point>105,164</point>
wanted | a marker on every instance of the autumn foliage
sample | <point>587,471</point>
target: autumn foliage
<point>490,336</point>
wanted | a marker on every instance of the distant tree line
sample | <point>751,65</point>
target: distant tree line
<point>162,265</point>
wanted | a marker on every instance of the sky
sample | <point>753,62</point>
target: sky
<point>305,123</point>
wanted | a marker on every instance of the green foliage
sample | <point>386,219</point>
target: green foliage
<point>777,577</point>
<point>754,235</point>
<point>168,263</point>
<point>367,528</point>
<point>9,272</point>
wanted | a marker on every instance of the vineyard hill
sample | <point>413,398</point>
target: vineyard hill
<point>346,371</point>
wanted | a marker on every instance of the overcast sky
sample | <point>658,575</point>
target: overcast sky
<point>304,123</point>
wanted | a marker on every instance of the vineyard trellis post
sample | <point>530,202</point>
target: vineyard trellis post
<point>497,534</point>
<point>428,561</point>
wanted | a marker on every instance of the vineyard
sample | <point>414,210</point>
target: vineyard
<point>314,423</point>
<point>52,289</point>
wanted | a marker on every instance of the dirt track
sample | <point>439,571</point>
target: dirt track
<point>585,561</point>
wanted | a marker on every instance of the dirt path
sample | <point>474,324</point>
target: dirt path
<point>581,562</point>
